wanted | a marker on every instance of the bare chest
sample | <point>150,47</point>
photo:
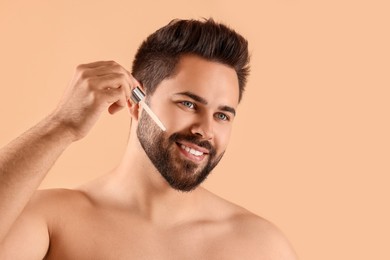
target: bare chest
<point>118,237</point>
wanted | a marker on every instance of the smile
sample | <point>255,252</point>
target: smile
<point>192,153</point>
<point>191,150</point>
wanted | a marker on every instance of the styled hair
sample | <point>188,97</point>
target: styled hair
<point>158,55</point>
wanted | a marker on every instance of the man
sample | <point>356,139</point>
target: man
<point>193,74</point>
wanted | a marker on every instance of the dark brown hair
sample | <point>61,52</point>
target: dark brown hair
<point>158,55</point>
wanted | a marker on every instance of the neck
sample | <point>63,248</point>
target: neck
<point>139,186</point>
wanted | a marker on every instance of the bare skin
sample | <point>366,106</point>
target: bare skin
<point>131,212</point>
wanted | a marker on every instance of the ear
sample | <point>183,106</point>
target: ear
<point>133,109</point>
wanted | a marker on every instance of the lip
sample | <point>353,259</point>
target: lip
<point>194,146</point>
<point>190,156</point>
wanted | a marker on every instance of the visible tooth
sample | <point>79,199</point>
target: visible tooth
<point>197,153</point>
<point>191,150</point>
<point>185,148</point>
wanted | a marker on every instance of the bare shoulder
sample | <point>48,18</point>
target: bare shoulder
<point>35,225</point>
<point>260,237</point>
<point>53,195</point>
<point>53,202</point>
<point>263,235</point>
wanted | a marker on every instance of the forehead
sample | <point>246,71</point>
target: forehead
<point>214,81</point>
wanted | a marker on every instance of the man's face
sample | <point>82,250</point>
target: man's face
<point>197,106</point>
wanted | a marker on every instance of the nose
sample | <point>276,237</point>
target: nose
<point>204,129</point>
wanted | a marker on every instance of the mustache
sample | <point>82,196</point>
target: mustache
<point>176,137</point>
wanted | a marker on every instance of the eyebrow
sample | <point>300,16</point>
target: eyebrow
<point>228,109</point>
<point>204,101</point>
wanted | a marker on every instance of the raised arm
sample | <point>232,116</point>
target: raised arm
<point>25,161</point>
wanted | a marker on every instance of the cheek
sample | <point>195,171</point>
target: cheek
<point>172,117</point>
<point>222,136</point>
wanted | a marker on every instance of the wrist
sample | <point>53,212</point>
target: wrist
<point>55,128</point>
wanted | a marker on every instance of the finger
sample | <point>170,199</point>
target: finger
<point>114,108</point>
<point>135,82</point>
<point>131,82</point>
<point>106,69</point>
<point>98,64</point>
<point>103,71</point>
<point>114,95</point>
<point>112,81</point>
<point>107,75</point>
<point>103,68</point>
<point>118,104</point>
<point>117,98</point>
<point>123,81</point>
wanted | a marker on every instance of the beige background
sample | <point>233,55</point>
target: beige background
<point>310,148</point>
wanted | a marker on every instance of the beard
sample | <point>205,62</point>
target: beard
<point>163,151</point>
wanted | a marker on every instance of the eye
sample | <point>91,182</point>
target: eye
<point>188,104</point>
<point>222,116</point>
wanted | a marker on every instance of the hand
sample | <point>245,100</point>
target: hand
<point>95,87</point>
